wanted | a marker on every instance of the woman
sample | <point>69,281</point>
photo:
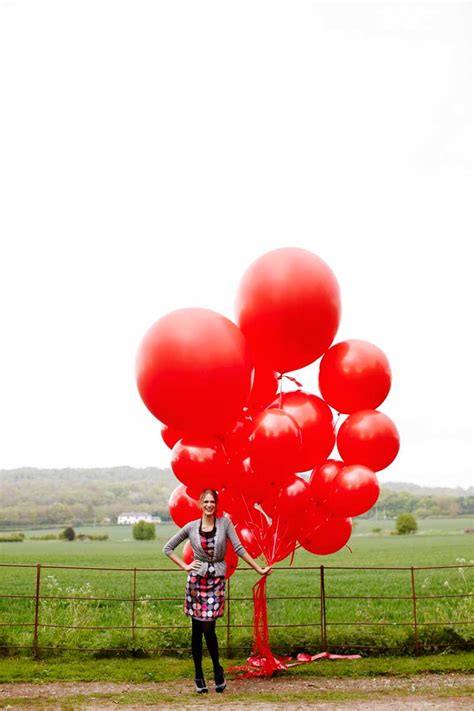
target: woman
<point>205,587</point>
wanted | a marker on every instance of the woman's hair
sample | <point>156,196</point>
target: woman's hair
<point>213,493</point>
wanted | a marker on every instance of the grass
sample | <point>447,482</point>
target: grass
<point>440,542</point>
<point>169,670</point>
<point>136,671</point>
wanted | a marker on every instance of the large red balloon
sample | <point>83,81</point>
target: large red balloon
<point>265,385</point>
<point>275,443</point>
<point>288,307</point>
<point>280,541</point>
<point>311,519</point>
<point>170,436</point>
<point>236,442</point>
<point>183,508</point>
<point>354,375</point>
<point>290,501</point>
<point>234,503</point>
<point>320,481</point>
<point>250,540</point>
<point>230,557</point>
<point>252,487</point>
<point>188,553</point>
<point>194,371</point>
<point>199,464</point>
<point>231,560</point>
<point>370,438</point>
<point>355,490</point>
<point>314,418</point>
<point>329,537</point>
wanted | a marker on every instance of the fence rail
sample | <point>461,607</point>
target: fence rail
<point>320,574</point>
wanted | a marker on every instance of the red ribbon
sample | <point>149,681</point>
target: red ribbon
<point>263,662</point>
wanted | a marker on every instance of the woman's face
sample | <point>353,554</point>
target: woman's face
<point>208,505</point>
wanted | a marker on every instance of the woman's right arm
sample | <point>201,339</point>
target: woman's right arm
<point>173,542</point>
<point>195,565</point>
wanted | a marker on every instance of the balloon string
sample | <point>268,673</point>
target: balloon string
<point>281,390</point>
<point>254,528</point>
<point>293,380</point>
<point>337,420</point>
<point>348,548</point>
<point>295,548</point>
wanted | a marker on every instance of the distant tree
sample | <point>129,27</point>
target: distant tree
<point>144,531</point>
<point>68,534</point>
<point>406,523</point>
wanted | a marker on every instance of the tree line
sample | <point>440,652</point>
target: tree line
<point>46,497</point>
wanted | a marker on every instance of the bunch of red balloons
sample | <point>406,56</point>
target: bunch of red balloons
<point>216,387</point>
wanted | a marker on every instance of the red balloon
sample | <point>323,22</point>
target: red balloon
<point>354,375</point>
<point>236,442</point>
<point>265,385</point>
<point>252,487</point>
<point>231,560</point>
<point>275,443</point>
<point>188,553</point>
<point>288,307</point>
<point>199,464</point>
<point>354,491</point>
<point>370,438</point>
<point>290,501</point>
<point>321,479</point>
<point>230,557</point>
<point>232,502</point>
<point>170,436</point>
<point>250,540</point>
<point>183,508</point>
<point>314,418</point>
<point>281,542</point>
<point>194,371</point>
<point>328,538</point>
<point>310,520</point>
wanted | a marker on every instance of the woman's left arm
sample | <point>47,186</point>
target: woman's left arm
<point>253,564</point>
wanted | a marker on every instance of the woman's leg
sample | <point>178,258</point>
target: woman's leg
<point>209,629</point>
<point>196,647</point>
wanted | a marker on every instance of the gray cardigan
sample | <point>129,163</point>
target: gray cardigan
<point>224,530</point>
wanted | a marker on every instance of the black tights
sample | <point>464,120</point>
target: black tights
<point>208,628</point>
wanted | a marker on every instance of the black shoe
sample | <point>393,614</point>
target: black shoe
<point>220,680</point>
<point>201,686</point>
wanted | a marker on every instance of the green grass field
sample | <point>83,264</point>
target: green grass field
<point>381,622</point>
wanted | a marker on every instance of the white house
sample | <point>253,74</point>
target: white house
<point>131,517</point>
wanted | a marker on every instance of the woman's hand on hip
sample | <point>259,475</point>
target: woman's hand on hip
<point>195,565</point>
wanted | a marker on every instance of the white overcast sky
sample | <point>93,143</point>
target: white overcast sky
<point>150,151</point>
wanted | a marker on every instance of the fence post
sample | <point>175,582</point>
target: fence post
<point>37,599</point>
<point>413,596</point>
<point>134,600</point>
<point>323,635</point>
<point>229,649</point>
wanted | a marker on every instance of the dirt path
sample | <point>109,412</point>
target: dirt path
<point>417,693</point>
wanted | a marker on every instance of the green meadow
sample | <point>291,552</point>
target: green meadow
<point>378,619</point>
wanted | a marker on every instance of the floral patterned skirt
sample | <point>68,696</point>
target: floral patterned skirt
<point>205,596</point>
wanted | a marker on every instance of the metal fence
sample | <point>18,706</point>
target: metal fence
<point>322,626</point>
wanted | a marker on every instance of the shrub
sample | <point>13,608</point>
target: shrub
<point>68,534</point>
<point>46,537</point>
<point>406,523</point>
<point>376,530</point>
<point>12,538</point>
<point>144,531</point>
